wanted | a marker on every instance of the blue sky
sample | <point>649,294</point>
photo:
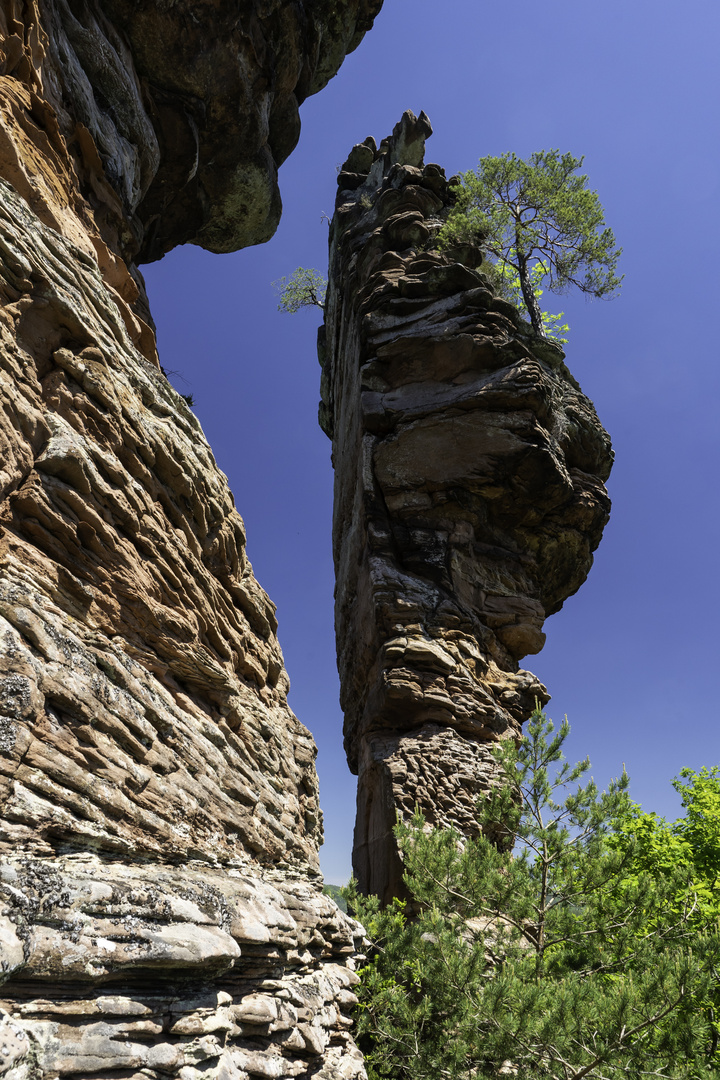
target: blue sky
<point>634,86</point>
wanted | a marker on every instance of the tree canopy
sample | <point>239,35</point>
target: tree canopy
<point>660,847</point>
<point>570,957</point>
<point>304,288</point>
<point>534,213</point>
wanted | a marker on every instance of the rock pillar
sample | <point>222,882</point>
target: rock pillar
<point>469,497</point>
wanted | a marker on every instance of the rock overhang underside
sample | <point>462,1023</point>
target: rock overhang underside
<point>469,498</point>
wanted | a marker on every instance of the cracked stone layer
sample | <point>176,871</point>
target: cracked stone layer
<point>142,690</point>
<point>469,497</point>
<point>159,971</point>
<point>161,912</point>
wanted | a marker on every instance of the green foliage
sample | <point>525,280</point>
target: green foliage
<point>536,213</point>
<point>337,893</point>
<point>700,828</point>
<point>692,842</point>
<point>562,959</point>
<point>304,288</point>
<point>507,283</point>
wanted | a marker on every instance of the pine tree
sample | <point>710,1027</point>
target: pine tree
<point>533,213</point>
<point>559,959</point>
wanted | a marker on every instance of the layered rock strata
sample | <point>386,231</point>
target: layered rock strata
<point>469,498</point>
<point>161,911</point>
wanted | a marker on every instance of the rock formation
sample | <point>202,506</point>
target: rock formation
<point>161,910</point>
<point>469,498</point>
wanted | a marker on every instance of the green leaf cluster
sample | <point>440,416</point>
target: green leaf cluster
<point>568,956</point>
<point>534,213</point>
<point>304,288</point>
<point>692,842</point>
<point>507,284</point>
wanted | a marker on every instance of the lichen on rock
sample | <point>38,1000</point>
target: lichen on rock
<point>469,497</point>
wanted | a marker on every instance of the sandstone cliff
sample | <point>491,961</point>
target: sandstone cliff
<point>161,909</point>
<point>469,498</point>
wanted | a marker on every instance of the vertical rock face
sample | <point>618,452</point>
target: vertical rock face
<point>469,498</point>
<point>161,910</point>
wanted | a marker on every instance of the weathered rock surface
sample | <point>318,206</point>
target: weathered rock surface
<point>161,910</point>
<point>161,971</point>
<point>469,498</point>
<point>176,116</point>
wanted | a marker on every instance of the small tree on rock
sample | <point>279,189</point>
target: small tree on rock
<point>537,213</point>
<point>304,288</point>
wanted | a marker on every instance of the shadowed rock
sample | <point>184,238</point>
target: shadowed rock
<point>190,107</point>
<point>469,498</point>
<point>161,909</point>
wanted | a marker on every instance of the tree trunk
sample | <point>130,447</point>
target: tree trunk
<point>527,290</point>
